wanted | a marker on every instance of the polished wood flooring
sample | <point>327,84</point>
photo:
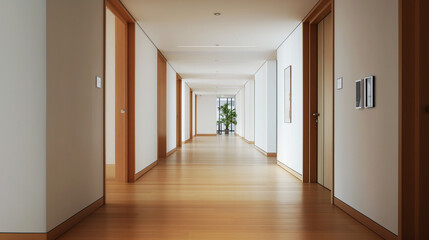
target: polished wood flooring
<point>218,188</point>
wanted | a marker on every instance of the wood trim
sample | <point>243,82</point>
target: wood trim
<point>190,113</point>
<point>187,140</point>
<point>318,13</point>
<point>413,119</point>
<point>119,10</point>
<point>206,135</point>
<point>75,219</point>
<point>126,169</point>
<point>377,228</point>
<point>104,101</point>
<point>196,116</point>
<point>265,153</point>
<point>162,106</point>
<point>23,236</point>
<point>171,152</point>
<point>178,110</point>
<point>131,102</point>
<point>290,170</point>
<point>145,170</point>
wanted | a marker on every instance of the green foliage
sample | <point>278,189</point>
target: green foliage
<point>227,116</point>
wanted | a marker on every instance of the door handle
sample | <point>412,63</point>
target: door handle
<point>123,110</point>
<point>316,114</point>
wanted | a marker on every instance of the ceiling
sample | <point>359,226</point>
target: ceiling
<point>218,54</point>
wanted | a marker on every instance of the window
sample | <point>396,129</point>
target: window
<point>220,102</point>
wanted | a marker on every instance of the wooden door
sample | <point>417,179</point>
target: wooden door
<point>121,108</point>
<point>325,103</point>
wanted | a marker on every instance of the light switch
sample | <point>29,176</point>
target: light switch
<point>340,83</point>
<point>98,82</point>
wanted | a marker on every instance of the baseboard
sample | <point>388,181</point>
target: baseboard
<point>206,135</point>
<point>249,142</point>
<point>290,170</point>
<point>58,230</point>
<point>369,223</point>
<point>75,219</point>
<point>186,141</point>
<point>171,152</point>
<point>265,153</point>
<point>23,236</point>
<point>145,170</point>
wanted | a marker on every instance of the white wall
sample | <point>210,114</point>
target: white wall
<point>249,111</point>
<point>265,107</point>
<point>171,108</point>
<point>110,87</point>
<point>366,141</point>
<point>145,96</point>
<point>23,117</point>
<point>74,107</point>
<point>239,108</point>
<point>186,91</point>
<point>290,135</point>
<point>206,114</point>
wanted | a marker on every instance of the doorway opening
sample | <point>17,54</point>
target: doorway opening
<point>318,66</point>
<point>119,93</point>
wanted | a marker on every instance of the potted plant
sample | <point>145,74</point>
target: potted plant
<point>227,116</point>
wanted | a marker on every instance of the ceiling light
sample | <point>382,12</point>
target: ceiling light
<point>216,13</point>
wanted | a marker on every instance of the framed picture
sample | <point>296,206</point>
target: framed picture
<point>288,95</point>
<point>358,104</point>
<point>369,93</point>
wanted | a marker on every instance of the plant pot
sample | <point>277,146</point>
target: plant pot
<point>219,132</point>
<point>226,131</point>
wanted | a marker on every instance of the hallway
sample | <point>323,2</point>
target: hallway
<point>218,188</point>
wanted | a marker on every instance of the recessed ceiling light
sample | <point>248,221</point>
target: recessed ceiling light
<point>217,13</point>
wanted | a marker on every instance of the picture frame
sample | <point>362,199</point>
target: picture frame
<point>288,94</point>
<point>369,92</point>
<point>358,86</point>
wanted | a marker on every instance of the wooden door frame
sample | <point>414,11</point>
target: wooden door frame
<point>162,106</point>
<point>118,9</point>
<point>413,119</point>
<point>178,111</point>
<point>310,76</point>
<point>190,113</point>
<point>196,114</point>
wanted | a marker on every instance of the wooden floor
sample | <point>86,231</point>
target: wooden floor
<point>218,188</point>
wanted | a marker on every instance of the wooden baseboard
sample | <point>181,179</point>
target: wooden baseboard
<point>206,135</point>
<point>171,152</point>
<point>290,170</point>
<point>186,141</point>
<point>249,142</point>
<point>75,219</point>
<point>58,230</point>
<point>369,223</point>
<point>145,170</point>
<point>265,153</point>
<point>23,236</point>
